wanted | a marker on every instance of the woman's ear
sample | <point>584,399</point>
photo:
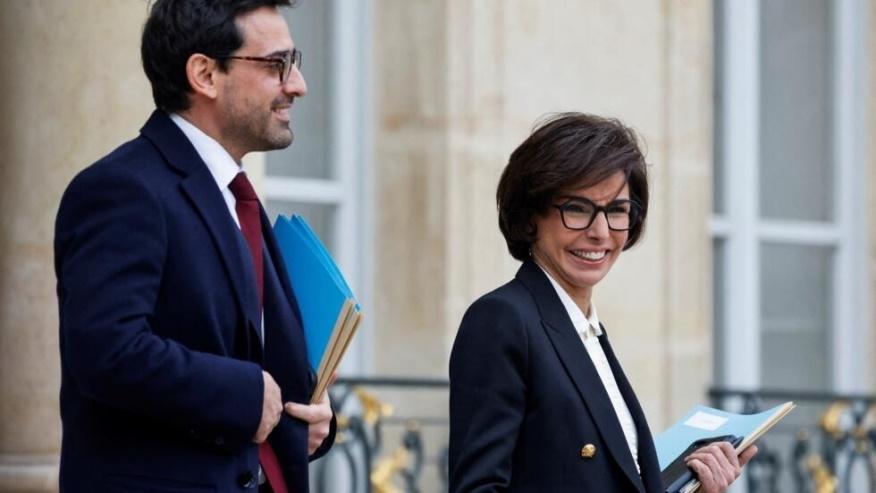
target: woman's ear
<point>201,73</point>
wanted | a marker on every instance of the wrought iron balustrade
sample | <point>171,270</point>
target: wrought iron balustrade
<point>387,443</point>
<point>826,445</point>
<point>381,448</point>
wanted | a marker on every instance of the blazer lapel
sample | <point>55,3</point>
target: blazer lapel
<point>580,368</point>
<point>200,187</point>
<point>647,454</point>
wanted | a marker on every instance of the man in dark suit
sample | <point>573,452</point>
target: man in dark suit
<point>183,360</point>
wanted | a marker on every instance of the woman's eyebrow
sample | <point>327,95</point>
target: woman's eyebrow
<point>588,199</point>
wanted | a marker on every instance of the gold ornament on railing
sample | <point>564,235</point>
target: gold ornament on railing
<point>831,420</point>
<point>387,469</point>
<point>343,426</point>
<point>823,480</point>
<point>372,408</point>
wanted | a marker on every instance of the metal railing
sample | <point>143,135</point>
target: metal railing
<point>827,445</point>
<point>386,443</point>
<point>365,458</point>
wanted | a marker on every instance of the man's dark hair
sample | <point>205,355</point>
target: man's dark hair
<point>177,29</point>
<point>567,150</point>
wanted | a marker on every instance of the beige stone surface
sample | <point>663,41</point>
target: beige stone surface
<point>687,195</point>
<point>70,94</point>
<point>410,160</point>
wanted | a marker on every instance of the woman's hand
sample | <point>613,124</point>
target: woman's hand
<point>717,466</point>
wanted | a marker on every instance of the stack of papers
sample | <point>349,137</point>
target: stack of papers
<point>703,422</point>
<point>329,311</point>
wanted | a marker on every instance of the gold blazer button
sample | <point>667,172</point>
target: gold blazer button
<point>588,451</point>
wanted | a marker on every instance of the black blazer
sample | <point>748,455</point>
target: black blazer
<point>161,358</point>
<point>525,399</point>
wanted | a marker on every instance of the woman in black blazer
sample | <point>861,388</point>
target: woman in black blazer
<point>538,401</point>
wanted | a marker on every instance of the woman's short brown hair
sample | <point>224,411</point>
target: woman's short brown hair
<point>567,150</point>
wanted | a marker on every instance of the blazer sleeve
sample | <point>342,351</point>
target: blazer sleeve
<point>487,395</point>
<point>110,245</point>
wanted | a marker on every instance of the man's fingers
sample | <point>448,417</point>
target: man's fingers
<point>272,408</point>
<point>312,413</point>
<point>300,411</point>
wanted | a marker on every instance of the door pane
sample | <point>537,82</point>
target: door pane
<point>310,153</point>
<point>796,110</point>
<point>795,316</point>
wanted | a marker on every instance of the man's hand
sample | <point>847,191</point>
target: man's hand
<point>272,408</point>
<point>716,465</point>
<point>318,416</point>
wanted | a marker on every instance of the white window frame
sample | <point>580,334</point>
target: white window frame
<point>349,187</point>
<point>742,228</point>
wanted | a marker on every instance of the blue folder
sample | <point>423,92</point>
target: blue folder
<point>319,286</point>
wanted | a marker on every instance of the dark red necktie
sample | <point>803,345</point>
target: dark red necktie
<point>247,207</point>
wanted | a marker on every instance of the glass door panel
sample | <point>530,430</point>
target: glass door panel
<point>796,110</point>
<point>796,316</point>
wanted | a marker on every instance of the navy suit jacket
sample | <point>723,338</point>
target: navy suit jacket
<point>161,352</point>
<point>525,398</point>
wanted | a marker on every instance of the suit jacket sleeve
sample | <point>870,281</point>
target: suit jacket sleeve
<point>487,395</point>
<point>110,247</point>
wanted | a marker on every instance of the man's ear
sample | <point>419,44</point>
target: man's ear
<point>201,72</point>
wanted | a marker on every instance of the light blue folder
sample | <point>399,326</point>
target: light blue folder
<point>319,287</point>
<point>694,426</point>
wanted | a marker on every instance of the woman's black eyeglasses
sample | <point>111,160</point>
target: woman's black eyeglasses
<point>579,213</point>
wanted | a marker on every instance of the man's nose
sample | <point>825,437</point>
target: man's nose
<point>295,85</point>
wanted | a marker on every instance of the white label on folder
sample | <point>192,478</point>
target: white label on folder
<point>705,421</point>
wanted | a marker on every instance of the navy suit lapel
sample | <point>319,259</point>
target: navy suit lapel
<point>647,454</point>
<point>200,187</point>
<point>580,368</point>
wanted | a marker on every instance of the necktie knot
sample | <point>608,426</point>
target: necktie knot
<point>241,188</point>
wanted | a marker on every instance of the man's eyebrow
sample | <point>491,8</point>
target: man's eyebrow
<point>279,53</point>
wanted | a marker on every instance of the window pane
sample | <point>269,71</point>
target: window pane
<point>320,217</point>
<point>310,153</point>
<point>795,314</point>
<point>796,110</point>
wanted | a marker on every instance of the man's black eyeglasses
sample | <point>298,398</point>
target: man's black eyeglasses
<point>283,62</point>
<point>579,213</point>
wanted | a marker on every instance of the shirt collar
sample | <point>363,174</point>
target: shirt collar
<point>218,161</point>
<point>584,325</point>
